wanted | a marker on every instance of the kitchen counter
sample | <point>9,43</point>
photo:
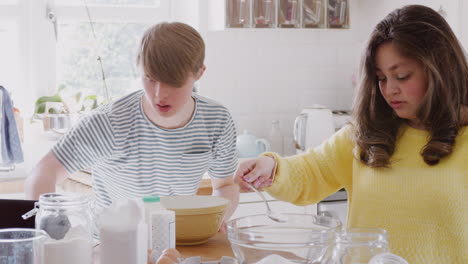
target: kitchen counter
<point>215,248</point>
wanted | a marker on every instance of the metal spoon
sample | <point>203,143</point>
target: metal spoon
<point>277,217</point>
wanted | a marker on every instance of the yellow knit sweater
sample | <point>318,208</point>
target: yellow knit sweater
<point>424,208</point>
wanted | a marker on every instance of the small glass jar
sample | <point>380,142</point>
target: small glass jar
<point>313,13</point>
<point>67,219</point>
<point>264,13</point>
<point>338,13</point>
<point>238,13</point>
<point>289,13</point>
<point>359,245</point>
<point>22,245</point>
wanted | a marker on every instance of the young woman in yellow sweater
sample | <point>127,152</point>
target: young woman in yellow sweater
<point>404,158</point>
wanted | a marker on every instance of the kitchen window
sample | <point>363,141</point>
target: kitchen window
<point>97,43</point>
<point>78,54</point>
<point>9,54</point>
<point>48,44</point>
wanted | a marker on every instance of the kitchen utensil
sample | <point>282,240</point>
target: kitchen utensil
<point>312,127</point>
<point>272,215</point>
<point>198,217</point>
<point>22,245</point>
<point>304,238</point>
<point>249,146</point>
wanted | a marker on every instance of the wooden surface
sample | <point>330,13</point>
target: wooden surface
<point>215,248</point>
<point>205,187</point>
<point>12,186</point>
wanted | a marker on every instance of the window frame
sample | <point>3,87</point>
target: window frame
<point>111,14</point>
<point>37,38</point>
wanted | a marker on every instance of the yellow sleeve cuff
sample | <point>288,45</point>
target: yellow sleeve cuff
<point>275,157</point>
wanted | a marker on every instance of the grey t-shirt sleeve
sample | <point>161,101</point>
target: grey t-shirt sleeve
<point>224,158</point>
<point>86,144</point>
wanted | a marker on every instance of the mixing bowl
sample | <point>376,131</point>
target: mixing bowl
<point>304,238</point>
<point>198,217</point>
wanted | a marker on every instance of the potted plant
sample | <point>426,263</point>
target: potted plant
<point>61,110</point>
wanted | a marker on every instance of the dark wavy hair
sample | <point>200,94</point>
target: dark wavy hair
<point>419,33</point>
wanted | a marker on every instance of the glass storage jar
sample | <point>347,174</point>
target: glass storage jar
<point>263,12</point>
<point>338,13</point>
<point>288,13</point>
<point>238,13</point>
<point>313,13</point>
<point>22,245</point>
<point>67,219</point>
<point>359,245</point>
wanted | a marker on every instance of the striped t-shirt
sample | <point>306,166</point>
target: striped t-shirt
<point>132,157</point>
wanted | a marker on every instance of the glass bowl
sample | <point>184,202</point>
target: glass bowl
<point>304,238</point>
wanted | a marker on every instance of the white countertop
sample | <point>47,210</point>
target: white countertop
<point>36,144</point>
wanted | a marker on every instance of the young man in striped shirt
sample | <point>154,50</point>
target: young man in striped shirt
<point>156,141</point>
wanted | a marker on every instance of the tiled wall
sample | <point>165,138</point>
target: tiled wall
<point>267,74</point>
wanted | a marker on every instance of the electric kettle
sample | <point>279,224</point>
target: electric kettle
<point>249,146</point>
<point>312,127</point>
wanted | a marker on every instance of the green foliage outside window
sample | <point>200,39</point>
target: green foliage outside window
<point>116,45</point>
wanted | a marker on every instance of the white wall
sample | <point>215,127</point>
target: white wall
<point>267,74</point>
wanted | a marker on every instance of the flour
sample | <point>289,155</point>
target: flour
<point>75,248</point>
<point>274,259</point>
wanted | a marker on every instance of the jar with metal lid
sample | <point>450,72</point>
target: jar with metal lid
<point>359,245</point>
<point>67,219</point>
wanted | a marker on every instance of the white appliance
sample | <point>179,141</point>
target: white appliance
<point>335,205</point>
<point>312,127</point>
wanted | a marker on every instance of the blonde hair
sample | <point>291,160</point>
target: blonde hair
<point>170,52</point>
<point>422,34</point>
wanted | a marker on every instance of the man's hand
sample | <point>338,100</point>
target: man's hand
<point>226,188</point>
<point>223,227</point>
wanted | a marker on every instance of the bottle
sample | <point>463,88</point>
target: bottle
<point>161,226</point>
<point>275,137</point>
<point>123,233</point>
<point>151,203</point>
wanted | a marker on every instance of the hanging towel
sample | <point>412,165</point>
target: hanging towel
<point>10,141</point>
